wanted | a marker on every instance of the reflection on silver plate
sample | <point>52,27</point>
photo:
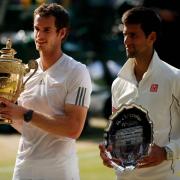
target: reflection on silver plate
<point>130,133</point>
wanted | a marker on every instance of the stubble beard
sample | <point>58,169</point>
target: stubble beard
<point>39,48</point>
<point>130,54</point>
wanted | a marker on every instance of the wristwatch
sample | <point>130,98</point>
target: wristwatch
<point>169,153</point>
<point>28,115</point>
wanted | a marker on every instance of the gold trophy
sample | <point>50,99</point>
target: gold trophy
<point>12,71</point>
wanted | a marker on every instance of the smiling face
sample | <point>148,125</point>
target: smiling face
<point>135,40</point>
<point>47,38</point>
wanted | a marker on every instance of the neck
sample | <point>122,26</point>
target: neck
<point>48,60</point>
<point>142,64</point>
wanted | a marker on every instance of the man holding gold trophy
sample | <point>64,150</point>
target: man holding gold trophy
<point>145,96</point>
<point>52,108</point>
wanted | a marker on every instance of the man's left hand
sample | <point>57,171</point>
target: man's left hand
<point>156,156</point>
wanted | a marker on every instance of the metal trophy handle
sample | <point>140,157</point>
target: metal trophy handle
<point>12,71</point>
<point>32,64</point>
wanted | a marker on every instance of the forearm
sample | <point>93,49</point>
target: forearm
<point>69,125</point>
<point>61,125</point>
<point>18,126</point>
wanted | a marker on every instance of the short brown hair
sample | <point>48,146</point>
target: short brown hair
<point>148,19</point>
<point>53,9</point>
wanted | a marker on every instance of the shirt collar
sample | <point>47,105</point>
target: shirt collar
<point>127,71</point>
<point>60,60</point>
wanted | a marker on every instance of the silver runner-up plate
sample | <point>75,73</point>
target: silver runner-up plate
<point>130,133</point>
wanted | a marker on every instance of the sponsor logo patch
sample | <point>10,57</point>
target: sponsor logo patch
<point>154,88</point>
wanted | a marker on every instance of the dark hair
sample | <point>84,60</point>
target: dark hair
<point>53,9</point>
<point>148,19</point>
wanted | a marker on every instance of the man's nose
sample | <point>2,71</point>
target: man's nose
<point>127,40</point>
<point>40,35</point>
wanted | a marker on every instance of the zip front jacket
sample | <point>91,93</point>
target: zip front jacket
<point>159,93</point>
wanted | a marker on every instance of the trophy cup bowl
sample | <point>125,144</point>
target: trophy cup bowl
<point>130,133</point>
<point>12,71</point>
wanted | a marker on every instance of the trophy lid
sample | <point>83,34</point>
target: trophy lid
<point>8,52</point>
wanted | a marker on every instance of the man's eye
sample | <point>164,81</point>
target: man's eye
<point>46,30</point>
<point>133,35</point>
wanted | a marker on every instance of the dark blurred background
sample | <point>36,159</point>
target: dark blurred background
<point>95,38</point>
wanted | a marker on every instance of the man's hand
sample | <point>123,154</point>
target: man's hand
<point>10,110</point>
<point>156,156</point>
<point>104,157</point>
<point>107,161</point>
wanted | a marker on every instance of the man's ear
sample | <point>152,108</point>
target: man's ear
<point>63,32</point>
<point>152,36</point>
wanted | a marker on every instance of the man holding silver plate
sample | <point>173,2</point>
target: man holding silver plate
<point>142,139</point>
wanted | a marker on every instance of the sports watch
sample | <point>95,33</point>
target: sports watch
<point>169,153</point>
<point>28,115</point>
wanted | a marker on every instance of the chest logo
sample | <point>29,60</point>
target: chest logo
<point>154,88</point>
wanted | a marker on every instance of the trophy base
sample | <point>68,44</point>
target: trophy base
<point>5,121</point>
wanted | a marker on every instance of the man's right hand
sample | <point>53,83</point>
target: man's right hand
<point>107,161</point>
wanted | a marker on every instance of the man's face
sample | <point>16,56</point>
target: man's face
<point>135,41</point>
<point>47,38</point>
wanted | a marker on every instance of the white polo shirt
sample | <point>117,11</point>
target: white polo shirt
<point>43,156</point>
<point>159,93</point>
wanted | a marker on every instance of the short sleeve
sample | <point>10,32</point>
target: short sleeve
<point>79,87</point>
